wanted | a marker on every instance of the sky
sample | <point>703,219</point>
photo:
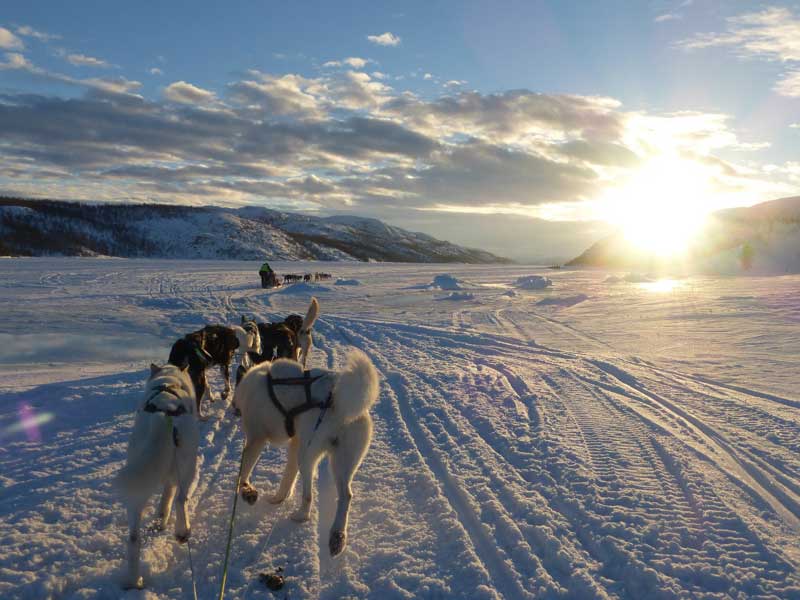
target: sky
<point>529,129</point>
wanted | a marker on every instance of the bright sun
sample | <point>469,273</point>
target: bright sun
<point>662,207</point>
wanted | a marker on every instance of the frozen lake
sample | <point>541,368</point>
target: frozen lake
<point>606,436</point>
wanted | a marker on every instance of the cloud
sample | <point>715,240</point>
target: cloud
<point>794,126</point>
<point>9,41</point>
<point>453,83</point>
<point>357,90</point>
<point>513,117</point>
<point>345,141</point>
<point>15,60</point>
<point>668,17</point>
<point>27,31</point>
<point>789,84</point>
<point>353,61</point>
<point>771,34</point>
<point>117,85</point>
<point>82,60</point>
<point>281,95</point>
<point>186,93</point>
<point>155,71</point>
<point>385,39</point>
<point>427,76</point>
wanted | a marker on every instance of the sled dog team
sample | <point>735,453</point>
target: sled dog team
<point>317,412</point>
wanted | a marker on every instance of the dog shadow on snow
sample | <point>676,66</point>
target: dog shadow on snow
<point>58,499</point>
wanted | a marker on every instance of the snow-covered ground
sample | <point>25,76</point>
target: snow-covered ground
<point>597,438</point>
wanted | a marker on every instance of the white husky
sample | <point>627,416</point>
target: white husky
<point>162,452</point>
<point>344,433</point>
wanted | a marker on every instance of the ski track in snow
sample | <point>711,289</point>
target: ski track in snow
<point>518,451</point>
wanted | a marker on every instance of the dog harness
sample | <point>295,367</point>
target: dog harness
<point>152,408</point>
<point>164,389</point>
<point>289,415</point>
<point>203,355</point>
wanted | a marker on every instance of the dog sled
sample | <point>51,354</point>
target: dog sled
<point>269,279</point>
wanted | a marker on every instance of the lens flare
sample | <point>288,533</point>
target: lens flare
<point>29,422</point>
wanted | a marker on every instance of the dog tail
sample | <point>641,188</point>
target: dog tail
<point>356,389</point>
<point>147,460</point>
<point>311,315</point>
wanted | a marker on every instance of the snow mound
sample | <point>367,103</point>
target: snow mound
<point>637,278</point>
<point>166,303</point>
<point>458,296</point>
<point>446,282</point>
<point>533,282</point>
<point>563,300</point>
<point>510,294</point>
<point>347,282</point>
<point>303,288</point>
<point>612,279</point>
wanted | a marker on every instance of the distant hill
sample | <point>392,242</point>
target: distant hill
<point>49,227</point>
<point>764,238</point>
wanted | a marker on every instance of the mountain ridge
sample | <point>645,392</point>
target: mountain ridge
<point>32,227</point>
<point>764,237</point>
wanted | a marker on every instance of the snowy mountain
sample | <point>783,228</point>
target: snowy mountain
<point>39,227</point>
<point>764,238</point>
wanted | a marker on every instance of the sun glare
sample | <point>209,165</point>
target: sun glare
<point>662,207</point>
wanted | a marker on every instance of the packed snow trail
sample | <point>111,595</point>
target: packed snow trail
<point>518,452</point>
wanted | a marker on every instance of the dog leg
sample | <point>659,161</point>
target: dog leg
<point>200,388</point>
<point>348,452</point>
<point>209,393</point>
<point>133,579</point>
<point>240,371</point>
<point>289,473</point>
<point>308,464</point>
<point>225,370</point>
<point>165,506</point>
<point>252,451</point>
<point>186,471</point>
<point>305,354</point>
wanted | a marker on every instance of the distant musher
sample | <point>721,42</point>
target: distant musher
<point>268,278</point>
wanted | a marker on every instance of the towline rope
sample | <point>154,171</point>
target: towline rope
<point>230,528</point>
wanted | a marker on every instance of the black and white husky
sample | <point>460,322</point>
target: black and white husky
<point>162,453</point>
<point>209,346</point>
<point>342,400</point>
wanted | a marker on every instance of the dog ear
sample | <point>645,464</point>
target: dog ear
<point>185,367</point>
<point>154,369</point>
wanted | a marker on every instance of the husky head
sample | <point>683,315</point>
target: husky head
<point>248,336</point>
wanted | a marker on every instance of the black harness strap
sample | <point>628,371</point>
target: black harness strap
<point>289,415</point>
<point>162,389</point>
<point>203,355</point>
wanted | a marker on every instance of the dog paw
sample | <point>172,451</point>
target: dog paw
<point>249,493</point>
<point>337,542</point>
<point>300,516</point>
<point>183,537</point>
<point>134,584</point>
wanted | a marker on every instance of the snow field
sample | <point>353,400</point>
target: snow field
<point>640,443</point>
